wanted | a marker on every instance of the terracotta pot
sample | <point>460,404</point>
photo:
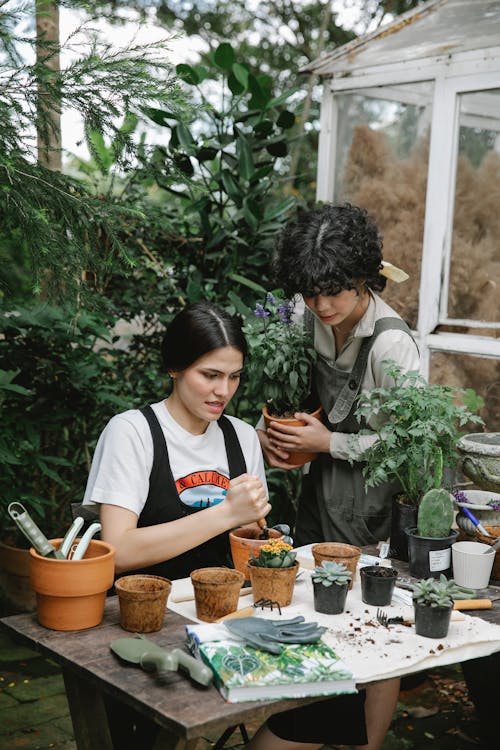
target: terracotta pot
<point>216,592</point>
<point>294,458</point>
<point>15,578</point>
<point>142,600</point>
<point>71,594</point>
<point>347,554</point>
<point>273,584</point>
<point>243,541</point>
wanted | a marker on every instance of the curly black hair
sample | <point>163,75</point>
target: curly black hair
<point>327,250</point>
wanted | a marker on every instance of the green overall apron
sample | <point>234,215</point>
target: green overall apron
<point>335,506</point>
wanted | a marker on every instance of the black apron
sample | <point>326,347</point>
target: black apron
<point>335,506</point>
<point>163,503</point>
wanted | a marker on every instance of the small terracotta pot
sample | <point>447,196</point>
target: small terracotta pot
<point>142,599</point>
<point>70,594</point>
<point>243,541</point>
<point>216,592</point>
<point>273,584</point>
<point>347,554</point>
<point>293,458</point>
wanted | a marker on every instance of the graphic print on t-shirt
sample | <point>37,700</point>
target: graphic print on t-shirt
<point>202,489</point>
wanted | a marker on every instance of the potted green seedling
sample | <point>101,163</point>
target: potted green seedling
<point>331,583</point>
<point>272,572</point>
<point>418,425</point>
<point>433,603</point>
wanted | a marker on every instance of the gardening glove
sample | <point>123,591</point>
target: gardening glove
<point>270,635</point>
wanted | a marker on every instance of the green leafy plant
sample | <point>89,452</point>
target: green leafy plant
<point>417,426</point>
<point>433,592</point>
<point>274,554</point>
<point>331,572</point>
<point>281,356</point>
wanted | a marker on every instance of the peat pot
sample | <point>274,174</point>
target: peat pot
<point>432,622</point>
<point>142,599</point>
<point>330,600</point>
<point>246,540</point>
<point>377,584</point>
<point>273,584</point>
<point>70,594</point>
<point>430,556</point>
<point>216,592</point>
<point>347,554</point>
<point>295,459</point>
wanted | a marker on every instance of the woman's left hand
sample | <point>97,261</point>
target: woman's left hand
<point>312,437</point>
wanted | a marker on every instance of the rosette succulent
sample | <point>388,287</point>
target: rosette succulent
<point>432,592</point>
<point>331,572</point>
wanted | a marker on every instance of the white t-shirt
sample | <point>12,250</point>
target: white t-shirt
<point>123,458</point>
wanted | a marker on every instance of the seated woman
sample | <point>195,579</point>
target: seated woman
<point>173,478</point>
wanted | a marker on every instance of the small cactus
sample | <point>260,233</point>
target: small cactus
<point>435,514</point>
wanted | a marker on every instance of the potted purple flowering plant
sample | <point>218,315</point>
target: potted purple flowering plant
<point>280,363</point>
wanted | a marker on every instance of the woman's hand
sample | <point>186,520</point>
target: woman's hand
<point>275,457</point>
<point>246,500</point>
<point>312,437</point>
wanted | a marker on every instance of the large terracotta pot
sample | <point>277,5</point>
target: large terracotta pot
<point>71,594</point>
<point>294,458</point>
<point>273,584</point>
<point>245,540</point>
<point>15,577</point>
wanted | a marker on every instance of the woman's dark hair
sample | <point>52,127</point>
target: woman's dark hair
<point>329,249</point>
<point>197,330</point>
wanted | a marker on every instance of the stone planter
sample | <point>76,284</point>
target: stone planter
<point>273,584</point>
<point>481,459</point>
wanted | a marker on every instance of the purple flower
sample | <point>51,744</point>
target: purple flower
<point>270,298</point>
<point>285,312</point>
<point>460,496</point>
<point>260,311</point>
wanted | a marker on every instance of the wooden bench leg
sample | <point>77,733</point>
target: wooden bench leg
<point>88,714</point>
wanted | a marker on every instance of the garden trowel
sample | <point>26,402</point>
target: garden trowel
<point>154,658</point>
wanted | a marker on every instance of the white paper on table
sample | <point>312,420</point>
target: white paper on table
<point>371,651</point>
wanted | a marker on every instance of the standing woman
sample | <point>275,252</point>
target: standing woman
<point>333,257</point>
<point>173,478</point>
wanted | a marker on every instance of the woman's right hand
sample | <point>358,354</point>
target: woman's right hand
<point>246,500</point>
<point>275,457</point>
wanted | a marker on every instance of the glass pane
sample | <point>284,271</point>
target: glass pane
<point>381,164</point>
<point>475,257</point>
<point>465,371</point>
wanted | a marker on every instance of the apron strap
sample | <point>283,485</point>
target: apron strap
<point>235,457</point>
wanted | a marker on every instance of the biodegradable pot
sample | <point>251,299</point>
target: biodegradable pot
<point>15,578</point>
<point>430,556</point>
<point>245,540</point>
<point>70,594</point>
<point>142,600</point>
<point>296,459</point>
<point>330,600</point>
<point>347,554</point>
<point>273,584</point>
<point>216,592</point>
<point>432,622</point>
<point>403,516</point>
<point>377,584</point>
<point>481,459</point>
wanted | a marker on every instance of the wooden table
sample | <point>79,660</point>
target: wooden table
<point>184,712</point>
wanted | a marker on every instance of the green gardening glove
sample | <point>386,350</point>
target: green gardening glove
<point>270,635</point>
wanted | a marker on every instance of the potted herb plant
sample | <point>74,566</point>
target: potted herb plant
<point>331,584</point>
<point>377,584</point>
<point>418,426</point>
<point>433,602</point>
<point>280,363</point>
<point>273,572</point>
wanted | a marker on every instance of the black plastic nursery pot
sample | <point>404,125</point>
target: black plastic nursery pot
<point>432,622</point>
<point>430,556</point>
<point>330,600</point>
<point>403,516</point>
<point>377,584</point>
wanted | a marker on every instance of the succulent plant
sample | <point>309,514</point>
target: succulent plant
<point>331,572</point>
<point>274,554</point>
<point>435,514</point>
<point>433,592</point>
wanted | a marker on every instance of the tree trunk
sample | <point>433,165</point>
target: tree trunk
<point>48,124</point>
